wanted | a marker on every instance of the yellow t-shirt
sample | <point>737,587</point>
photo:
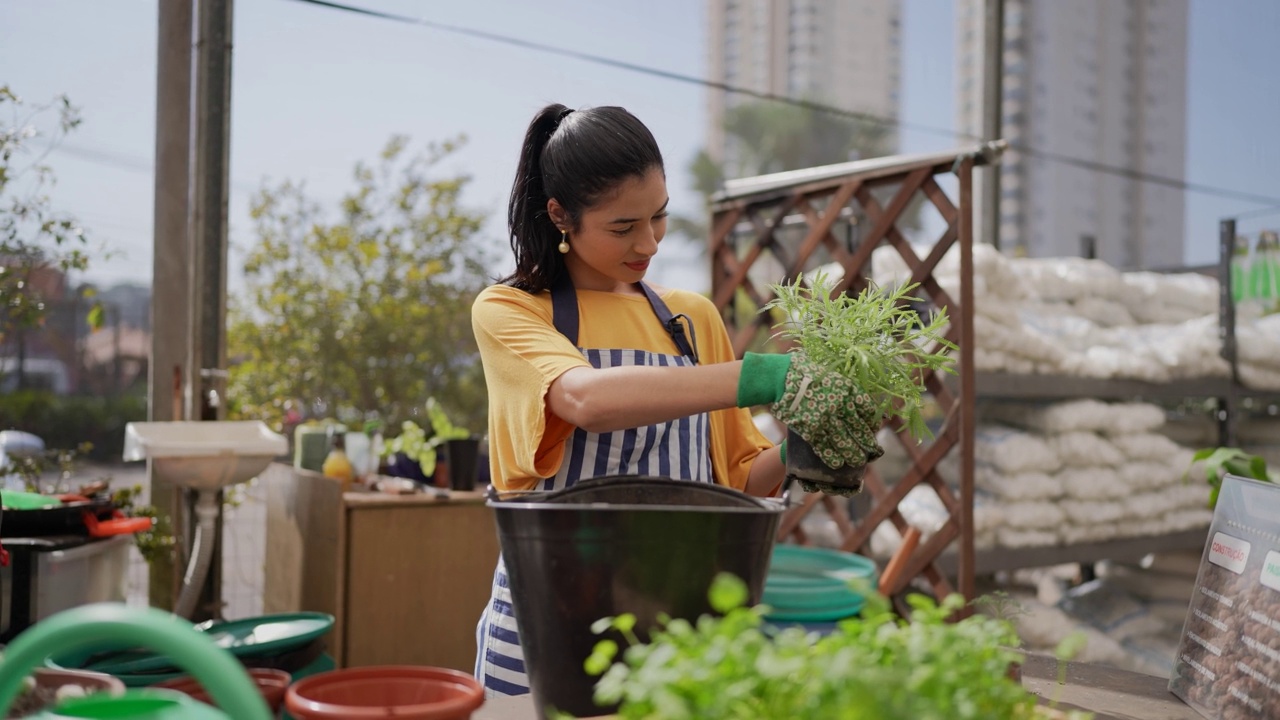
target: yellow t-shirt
<point>523,354</point>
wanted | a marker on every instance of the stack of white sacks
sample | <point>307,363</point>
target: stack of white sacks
<point>1077,317</point>
<point>1069,473</point>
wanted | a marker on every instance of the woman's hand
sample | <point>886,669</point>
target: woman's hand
<point>825,408</point>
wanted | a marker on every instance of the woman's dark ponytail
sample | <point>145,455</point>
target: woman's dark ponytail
<point>533,236</point>
<point>575,157</point>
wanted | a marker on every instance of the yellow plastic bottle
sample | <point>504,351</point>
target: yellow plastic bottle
<point>337,465</point>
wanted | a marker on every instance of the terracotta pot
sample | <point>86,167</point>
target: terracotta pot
<point>804,464</point>
<point>270,683</point>
<point>406,692</point>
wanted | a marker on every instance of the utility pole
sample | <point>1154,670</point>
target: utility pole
<point>992,96</point>
<point>168,366</point>
<point>188,347</point>
<point>208,267</point>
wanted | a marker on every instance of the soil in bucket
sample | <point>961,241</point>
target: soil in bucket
<point>407,692</point>
<point>641,545</point>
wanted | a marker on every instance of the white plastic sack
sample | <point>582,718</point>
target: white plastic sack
<point>1133,417</point>
<point>1022,486</point>
<point>1155,504</point>
<point>1090,512</point>
<point>1042,627</point>
<point>1070,416</point>
<point>1189,292</point>
<point>1096,483</point>
<point>1147,475</point>
<point>1145,446</point>
<point>1083,534</point>
<point>1032,514</point>
<point>1068,278</point>
<point>1012,451</point>
<point>1106,313</point>
<point>1259,377</point>
<point>1085,449</point>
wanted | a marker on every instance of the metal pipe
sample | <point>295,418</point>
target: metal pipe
<point>992,111</point>
<point>210,190</point>
<point>1227,331</point>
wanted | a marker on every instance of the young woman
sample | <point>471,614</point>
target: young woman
<point>592,372</point>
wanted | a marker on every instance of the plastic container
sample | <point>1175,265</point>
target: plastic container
<point>640,545</point>
<point>804,464</point>
<point>270,683</point>
<point>807,584</point>
<point>406,692</point>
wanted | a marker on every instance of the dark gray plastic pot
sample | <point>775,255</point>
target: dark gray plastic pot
<point>803,464</point>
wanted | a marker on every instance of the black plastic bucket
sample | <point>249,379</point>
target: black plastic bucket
<point>626,544</point>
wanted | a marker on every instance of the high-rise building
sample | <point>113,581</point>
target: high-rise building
<point>1101,81</point>
<point>845,53</point>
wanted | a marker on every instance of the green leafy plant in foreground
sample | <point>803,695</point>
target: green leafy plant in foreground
<point>876,339</point>
<point>1221,461</point>
<point>875,666</point>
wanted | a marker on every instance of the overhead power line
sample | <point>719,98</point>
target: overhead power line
<point>797,102</point>
<point>1261,212</point>
<point>131,163</point>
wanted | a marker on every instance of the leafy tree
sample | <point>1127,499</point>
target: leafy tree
<point>769,137</point>
<point>34,237</point>
<point>367,314</point>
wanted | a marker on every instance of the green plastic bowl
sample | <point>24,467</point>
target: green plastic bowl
<point>246,639</point>
<point>807,584</point>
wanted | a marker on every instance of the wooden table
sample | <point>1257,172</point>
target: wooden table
<point>405,576</point>
<point>1109,693</point>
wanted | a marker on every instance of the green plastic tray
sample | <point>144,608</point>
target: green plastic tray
<point>813,584</point>
<point>265,635</point>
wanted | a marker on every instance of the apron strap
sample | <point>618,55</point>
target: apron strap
<point>564,308</point>
<point>564,315</point>
<point>672,323</point>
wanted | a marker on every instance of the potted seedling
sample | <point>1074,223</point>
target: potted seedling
<point>415,454</point>
<point>878,341</point>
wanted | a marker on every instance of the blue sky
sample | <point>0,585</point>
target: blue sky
<point>314,91</point>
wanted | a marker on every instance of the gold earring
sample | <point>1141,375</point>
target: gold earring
<point>564,242</point>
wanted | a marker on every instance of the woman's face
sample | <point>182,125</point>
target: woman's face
<point>615,239</point>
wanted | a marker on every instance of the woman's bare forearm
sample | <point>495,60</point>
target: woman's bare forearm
<point>608,399</point>
<point>767,472</point>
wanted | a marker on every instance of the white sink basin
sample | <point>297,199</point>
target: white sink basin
<point>204,455</point>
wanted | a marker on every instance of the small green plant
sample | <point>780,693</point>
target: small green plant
<point>875,666</point>
<point>1222,461</point>
<point>414,443</point>
<point>32,469</point>
<point>874,338</point>
<point>157,541</point>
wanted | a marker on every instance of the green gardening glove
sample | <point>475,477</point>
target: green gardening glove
<point>825,408</point>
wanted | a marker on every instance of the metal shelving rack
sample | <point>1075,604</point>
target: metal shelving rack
<point>787,221</point>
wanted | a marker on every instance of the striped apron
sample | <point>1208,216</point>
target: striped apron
<point>679,449</point>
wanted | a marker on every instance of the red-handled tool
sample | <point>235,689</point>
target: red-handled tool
<point>117,525</point>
